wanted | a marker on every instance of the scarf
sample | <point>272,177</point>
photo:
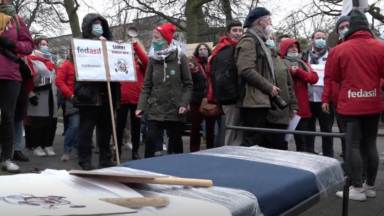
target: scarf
<point>298,61</point>
<point>316,56</point>
<point>43,67</point>
<point>8,10</point>
<point>224,41</point>
<point>163,54</point>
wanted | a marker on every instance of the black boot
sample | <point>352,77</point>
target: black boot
<point>135,156</point>
<point>19,156</point>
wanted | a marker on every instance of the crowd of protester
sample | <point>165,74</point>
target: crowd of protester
<point>251,77</point>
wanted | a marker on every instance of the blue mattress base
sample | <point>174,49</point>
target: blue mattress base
<point>277,188</point>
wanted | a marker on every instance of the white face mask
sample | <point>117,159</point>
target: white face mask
<point>268,30</point>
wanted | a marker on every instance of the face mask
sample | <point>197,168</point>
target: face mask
<point>342,33</point>
<point>97,30</point>
<point>203,53</point>
<point>292,55</point>
<point>44,49</point>
<point>158,45</point>
<point>320,43</point>
<point>268,30</point>
<point>270,44</point>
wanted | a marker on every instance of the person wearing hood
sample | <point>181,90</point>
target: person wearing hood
<point>317,56</point>
<point>42,107</point>
<point>257,81</point>
<point>167,90</point>
<point>360,100</point>
<point>303,76</point>
<point>279,118</point>
<point>91,98</point>
<point>331,89</point>
<point>14,39</point>
<point>231,111</point>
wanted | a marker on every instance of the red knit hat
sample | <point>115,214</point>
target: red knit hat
<point>167,30</point>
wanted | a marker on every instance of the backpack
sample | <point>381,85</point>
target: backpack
<point>224,77</point>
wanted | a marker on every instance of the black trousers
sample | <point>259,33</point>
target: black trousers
<point>9,92</point>
<point>91,117</point>
<point>325,121</point>
<point>363,150</point>
<point>28,137</point>
<point>275,141</point>
<point>300,139</point>
<point>122,113</point>
<point>253,117</point>
<point>65,117</point>
<point>339,125</point>
<point>43,131</point>
<point>156,130</point>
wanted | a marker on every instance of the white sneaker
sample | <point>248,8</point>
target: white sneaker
<point>49,151</point>
<point>164,147</point>
<point>10,167</point>
<point>128,146</point>
<point>39,152</point>
<point>369,191</point>
<point>353,194</point>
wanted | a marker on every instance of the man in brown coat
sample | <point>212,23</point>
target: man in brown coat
<point>256,74</point>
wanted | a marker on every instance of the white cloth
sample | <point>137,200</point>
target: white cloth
<point>315,93</point>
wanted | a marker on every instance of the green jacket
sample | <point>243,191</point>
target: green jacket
<point>166,89</point>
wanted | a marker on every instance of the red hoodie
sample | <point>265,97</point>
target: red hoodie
<point>65,79</point>
<point>130,91</point>
<point>224,41</point>
<point>301,79</point>
<point>358,71</point>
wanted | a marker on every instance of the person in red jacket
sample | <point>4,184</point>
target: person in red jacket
<point>302,75</point>
<point>360,100</point>
<point>130,94</point>
<point>331,89</point>
<point>65,82</point>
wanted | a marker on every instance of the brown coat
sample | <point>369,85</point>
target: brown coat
<point>253,75</point>
<point>285,83</point>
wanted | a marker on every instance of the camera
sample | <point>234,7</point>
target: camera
<point>279,102</point>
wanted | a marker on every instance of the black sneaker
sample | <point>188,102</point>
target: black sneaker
<point>106,165</point>
<point>87,166</point>
<point>19,156</point>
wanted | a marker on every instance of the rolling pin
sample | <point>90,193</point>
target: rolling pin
<point>164,181</point>
<point>138,202</point>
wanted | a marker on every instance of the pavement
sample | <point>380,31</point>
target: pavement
<point>330,206</point>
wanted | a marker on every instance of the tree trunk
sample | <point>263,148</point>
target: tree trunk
<point>73,18</point>
<point>191,13</point>
<point>226,4</point>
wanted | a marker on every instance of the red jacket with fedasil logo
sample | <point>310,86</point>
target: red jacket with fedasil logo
<point>358,71</point>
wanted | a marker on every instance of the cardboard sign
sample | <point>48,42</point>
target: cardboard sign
<point>97,60</point>
<point>190,48</point>
<point>113,174</point>
<point>319,69</point>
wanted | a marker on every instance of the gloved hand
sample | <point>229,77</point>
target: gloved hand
<point>34,100</point>
<point>6,43</point>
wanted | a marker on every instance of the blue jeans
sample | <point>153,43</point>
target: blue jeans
<point>70,139</point>
<point>18,125</point>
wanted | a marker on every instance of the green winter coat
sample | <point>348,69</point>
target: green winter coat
<point>166,89</point>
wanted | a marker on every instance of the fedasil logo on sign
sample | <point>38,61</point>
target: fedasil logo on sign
<point>87,50</point>
<point>362,93</point>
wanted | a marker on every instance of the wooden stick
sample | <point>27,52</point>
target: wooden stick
<point>113,123</point>
<point>164,181</point>
<point>138,202</point>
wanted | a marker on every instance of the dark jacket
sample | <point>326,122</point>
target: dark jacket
<point>199,80</point>
<point>95,93</point>
<point>166,89</point>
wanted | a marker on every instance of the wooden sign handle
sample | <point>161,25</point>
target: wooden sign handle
<point>164,181</point>
<point>113,123</point>
<point>138,202</point>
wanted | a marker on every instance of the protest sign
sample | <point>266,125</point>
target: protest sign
<point>97,60</point>
<point>319,69</point>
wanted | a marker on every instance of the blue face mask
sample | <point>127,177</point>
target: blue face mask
<point>320,43</point>
<point>158,45</point>
<point>292,55</point>
<point>342,33</point>
<point>44,49</point>
<point>97,30</point>
<point>270,44</point>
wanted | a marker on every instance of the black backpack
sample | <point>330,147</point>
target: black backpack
<point>224,77</point>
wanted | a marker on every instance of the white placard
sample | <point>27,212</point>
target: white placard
<point>17,197</point>
<point>121,62</point>
<point>292,126</point>
<point>319,69</point>
<point>89,60</point>
<point>347,7</point>
<point>181,44</point>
